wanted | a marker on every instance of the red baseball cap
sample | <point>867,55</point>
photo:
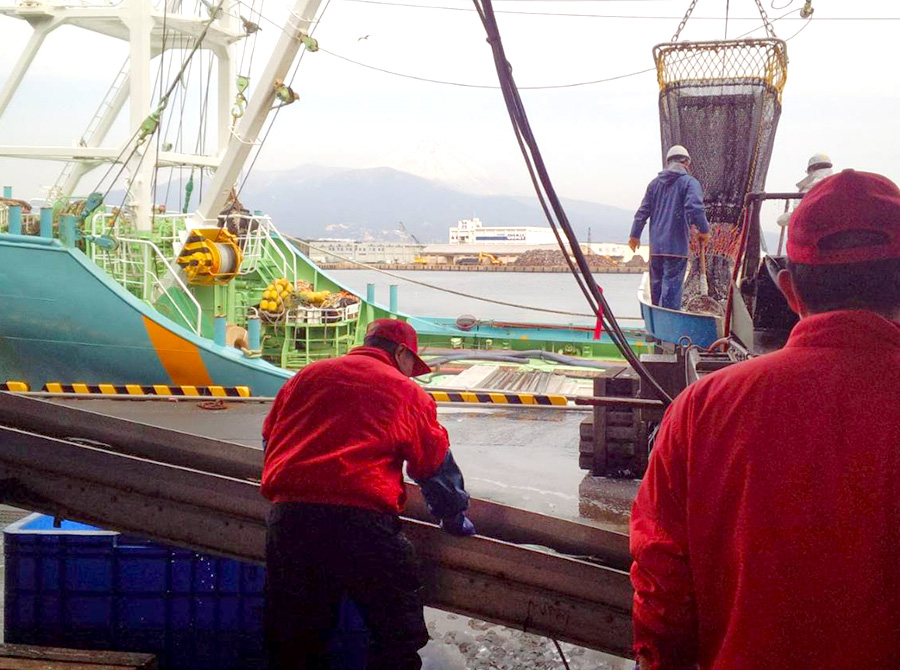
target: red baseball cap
<point>400,332</point>
<point>850,201</point>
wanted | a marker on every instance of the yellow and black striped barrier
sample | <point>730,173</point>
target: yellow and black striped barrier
<point>151,390</point>
<point>494,398</point>
<point>14,386</point>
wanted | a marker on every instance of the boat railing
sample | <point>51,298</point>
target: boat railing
<point>4,218</point>
<point>153,287</point>
<point>133,265</point>
<point>270,248</point>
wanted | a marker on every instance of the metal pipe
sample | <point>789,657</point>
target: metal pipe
<point>370,294</point>
<point>219,330</point>
<point>67,230</point>
<point>394,301</point>
<point>253,333</point>
<point>15,219</point>
<point>605,401</point>
<point>47,222</point>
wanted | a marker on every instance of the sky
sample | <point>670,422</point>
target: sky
<point>600,142</point>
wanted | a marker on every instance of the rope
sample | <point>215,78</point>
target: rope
<point>483,86</point>
<point>561,654</point>
<point>727,12</point>
<point>164,100</point>
<point>461,294</point>
<point>162,58</point>
<point>315,24</point>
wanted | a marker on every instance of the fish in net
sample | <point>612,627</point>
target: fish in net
<point>721,100</point>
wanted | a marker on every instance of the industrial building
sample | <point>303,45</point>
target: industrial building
<point>472,231</point>
<point>336,250</point>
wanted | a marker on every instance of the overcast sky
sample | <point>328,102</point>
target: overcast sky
<point>601,142</point>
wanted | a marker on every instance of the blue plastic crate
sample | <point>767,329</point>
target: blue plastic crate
<point>81,587</point>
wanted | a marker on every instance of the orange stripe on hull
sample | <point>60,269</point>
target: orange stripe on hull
<point>180,358</point>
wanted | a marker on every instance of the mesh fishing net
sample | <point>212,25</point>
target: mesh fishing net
<point>721,100</point>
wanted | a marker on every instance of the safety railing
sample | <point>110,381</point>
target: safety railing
<point>152,286</point>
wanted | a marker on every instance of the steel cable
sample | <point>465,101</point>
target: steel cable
<point>534,160</point>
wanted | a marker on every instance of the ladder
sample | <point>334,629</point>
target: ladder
<point>107,106</point>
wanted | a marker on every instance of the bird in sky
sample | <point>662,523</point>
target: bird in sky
<point>364,37</point>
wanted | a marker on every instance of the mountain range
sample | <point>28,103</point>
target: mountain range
<point>316,201</point>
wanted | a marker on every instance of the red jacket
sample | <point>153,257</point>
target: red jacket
<point>766,533</point>
<point>339,432</point>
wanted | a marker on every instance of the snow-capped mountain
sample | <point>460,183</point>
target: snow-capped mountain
<point>434,162</point>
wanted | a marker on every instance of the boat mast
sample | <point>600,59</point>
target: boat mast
<point>139,22</point>
<point>245,136</point>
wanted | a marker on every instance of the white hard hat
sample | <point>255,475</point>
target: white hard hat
<point>677,151</point>
<point>818,161</point>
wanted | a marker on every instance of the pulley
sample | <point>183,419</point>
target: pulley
<point>284,94</point>
<point>210,256</point>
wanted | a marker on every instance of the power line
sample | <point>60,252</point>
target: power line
<point>387,3</point>
<point>482,86</point>
<point>530,88</point>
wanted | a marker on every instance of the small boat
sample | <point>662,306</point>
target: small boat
<point>674,326</point>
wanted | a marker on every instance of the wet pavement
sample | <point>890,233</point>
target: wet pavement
<point>526,458</point>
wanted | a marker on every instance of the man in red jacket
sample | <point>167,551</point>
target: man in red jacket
<point>335,442</point>
<point>766,533</point>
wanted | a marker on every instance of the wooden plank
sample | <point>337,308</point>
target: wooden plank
<point>35,664</point>
<point>241,462</point>
<point>29,657</point>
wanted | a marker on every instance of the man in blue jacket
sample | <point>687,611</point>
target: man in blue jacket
<point>673,203</point>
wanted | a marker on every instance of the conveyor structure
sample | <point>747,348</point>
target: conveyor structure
<point>536,573</point>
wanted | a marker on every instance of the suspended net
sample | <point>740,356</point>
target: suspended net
<point>722,100</point>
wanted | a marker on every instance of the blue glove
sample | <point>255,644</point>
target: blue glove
<point>458,524</point>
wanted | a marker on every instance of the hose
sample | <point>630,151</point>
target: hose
<point>518,357</point>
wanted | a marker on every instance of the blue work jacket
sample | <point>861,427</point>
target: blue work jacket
<point>673,203</point>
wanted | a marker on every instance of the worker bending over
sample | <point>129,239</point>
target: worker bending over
<point>766,533</point>
<point>673,202</point>
<point>335,441</point>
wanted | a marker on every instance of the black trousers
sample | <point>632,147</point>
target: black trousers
<point>315,554</point>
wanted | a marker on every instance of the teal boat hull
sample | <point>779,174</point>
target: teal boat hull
<point>64,320</point>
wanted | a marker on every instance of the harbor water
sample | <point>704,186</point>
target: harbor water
<point>556,291</point>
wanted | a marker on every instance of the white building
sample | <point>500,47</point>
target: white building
<point>336,250</point>
<point>472,231</point>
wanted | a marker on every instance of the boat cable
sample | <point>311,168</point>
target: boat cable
<point>179,42</point>
<point>443,289</point>
<point>545,87</point>
<point>178,142</point>
<point>262,142</point>
<point>537,168</point>
<point>628,17</point>
<point>151,124</point>
<point>561,654</point>
<point>162,60</point>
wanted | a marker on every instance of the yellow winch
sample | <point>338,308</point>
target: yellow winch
<point>210,256</point>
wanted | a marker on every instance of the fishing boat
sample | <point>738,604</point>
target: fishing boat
<point>107,291</point>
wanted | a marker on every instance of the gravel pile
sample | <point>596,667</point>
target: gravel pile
<point>554,258</point>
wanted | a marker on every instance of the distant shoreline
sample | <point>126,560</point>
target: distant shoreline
<point>600,269</point>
